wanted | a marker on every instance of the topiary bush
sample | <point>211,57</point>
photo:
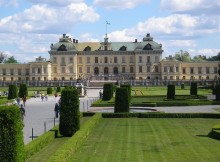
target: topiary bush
<point>23,90</point>
<point>171,91</point>
<point>216,91</point>
<point>182,86</point>
<point>122,100</point>
<point>11,135</point>
<point>107,91</point>
<point>58,89</point>
<point>49,90</point>
<point>12,92</point>
<point>128,86</point>
<point>193,88</point>
<point>69,112</point>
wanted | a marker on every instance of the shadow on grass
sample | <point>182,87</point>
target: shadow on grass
<point>212,135</point>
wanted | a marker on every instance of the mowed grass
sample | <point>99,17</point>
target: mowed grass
<point>140,140</point>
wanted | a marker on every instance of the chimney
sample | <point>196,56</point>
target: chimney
<point>74,41</point>
<point>135,40</point>
<point>148,34</point>
<point>64,35</point>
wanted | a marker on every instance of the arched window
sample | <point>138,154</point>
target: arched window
<point>62,48</point>
<point>55,78</point>
<point>96,71</point>
<point>148,47</point>
<point>123,48</point>
<point>87,48</point>
<point>63,78</point>
<point>115,70</point>
<point>71,78</point>
<point>106,70</point>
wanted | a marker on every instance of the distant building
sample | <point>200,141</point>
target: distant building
<point>137,60</point>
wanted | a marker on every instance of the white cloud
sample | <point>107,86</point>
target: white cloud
<point>119,4</point>
<point>7,3</point>
<point>206,52</point>
<point>88,37</point>
<point>41,18</point>
<point>56,2</point>
<point>181,43</point>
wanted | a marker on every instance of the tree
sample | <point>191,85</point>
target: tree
<point>199,58</point>
<point>214,58</point>
<point>183,56</point>
<point>2,57</point>
<point>11,60</point>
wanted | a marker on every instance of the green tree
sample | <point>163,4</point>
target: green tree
<point>11,60</point>
<point>199,58</point>
<point>12,92</point>
<point>214,58</point>
<point>183,56</point>
<point>3,56</point>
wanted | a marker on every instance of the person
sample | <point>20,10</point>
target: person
<point>24,100</point>
<point>42,97</point>
<point>22,110</point>
<point>18,100</point>
<point>14,102</point>
<point>46,97</point>
<point>100,94</point>
<point>56,109</point>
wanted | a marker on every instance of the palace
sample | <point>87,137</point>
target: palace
<point>137,60</point>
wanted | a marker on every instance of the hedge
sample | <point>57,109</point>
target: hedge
<point>65,152</point>
<point>49,90</point>
<point>193,88</point>
<point>107,91</point>
<point>40,142</point>
<point>128,86</point>
<point>170,91</point>
<point>11,135</point>
<point>23,91</point>
<point>69,112</point>
<point>12,92</point>
<point>216,91</point>
<point>122,100</point>
<point>58,89</point>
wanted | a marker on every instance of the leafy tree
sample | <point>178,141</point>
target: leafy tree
<point>199,58</point>
<point>2,57</point>
<point>183,56</point>
<point>214,58</point>
<point>11,60</point>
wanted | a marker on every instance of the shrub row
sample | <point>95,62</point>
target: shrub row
<point>128,86</point>
<point>122,100</point>
<point>12,92</point>
<point>65,152</point>
<point>39,143</point>
<point>145,104</point>
<point>49,90</point>
<point>11,135</point>
<point>170,91</point>
<point>108,91</point>
<point>160,115</point>
<point>23,90</point>
<point>193,89</point>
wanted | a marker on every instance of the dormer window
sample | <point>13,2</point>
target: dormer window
<point>148,47</point>
<point>123,48</point>
<point>62,48</point>
<point>87,48</point>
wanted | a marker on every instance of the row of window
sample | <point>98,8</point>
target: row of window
<point>207,70</point>
<point>27,78</point>
<point>191,77</point>
<point>19,71</point>
<point>107,60</point>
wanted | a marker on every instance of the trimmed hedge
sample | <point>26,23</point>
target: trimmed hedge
<point>69,112</point>
<point>58,89</point>
<point>23,90</point>
<point>161,115</point>
<point>49,90</point>
<point>11,135</point>
<point>216,91</point>
<point>65,152</point>
<point>122,100</point>
<point>193,89</point>
<point>128,86</point>
<point>40,142</point>
<point>171,91</point>
<point>12,92</point>
<point>108,91</point>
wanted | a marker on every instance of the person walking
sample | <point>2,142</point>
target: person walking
<point>18,101</point>
<point>22,110</point>
<point>56,109</point>
<point>46,97</point>
<point>24,100</point>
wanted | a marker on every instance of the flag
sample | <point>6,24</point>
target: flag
<point>108,23</point>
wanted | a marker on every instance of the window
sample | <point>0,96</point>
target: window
<point>27,72</point>
<point>171,77</point>
<point>71,60</point>
<point>63,60</point>
<point>54,60</point>
<point>88,59</point>
<point>184,77</point>
<point>27,78</point>
<point>88,69</point>
<point>140,59</point>
<point>39,78</point>
<point>106,70</point>
<point>96,71</point>
<point>106,60</point>
<point>96,60</point>
<point>80,69</point>
<point>55,70</point>
<point>115,60</point>
<point>11,71</point>
<point>131,59</point>
<point>123,48</point>
<point>19,78</point>
<point>123,69</point>
<point>148,59</point>
<point>215,70</point>
<point>191,70</point>
<point>165,77</point>
<point>19,71</point>
<point>4,71</point>
<point>63,70</point>
<point>177,69</point>
<point>192,77</point>
<point>33,78</point>
<point>71,69</point>
<point>156,58</point>
<point>177,78</point>
<point>38,70</point>
<point>12,78</point>
<point>45,78</point>
<point>131,69</point>
<point>207,77</point>
<point>165,69</point>
<point>140,69</point>
<point>148,69</point>
<point>33,70</point>
<point>156,69</point>
<point>200,77</point>
<point>115,70</point>
<point>200,70</point>
<point>207,70</point>
<point>123,59</point>
<point>184,70</point>
<point>171,69</point>
<point>80,60</point>
<point>45,70</point>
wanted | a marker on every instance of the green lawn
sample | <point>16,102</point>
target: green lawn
<point>140,140</point>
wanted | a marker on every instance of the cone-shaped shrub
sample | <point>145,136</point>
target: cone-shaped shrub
<point>12,92</point>
<point>122,100</point>
<point>23,91</point>
<point>170,91</point>
<point>217,92</point>
<point>128,86</point>
<point>193,88</point>
<point>58,89</point>
<point>11,135</point>
<point>107,91</point>
<point>49,90</point>
<point>69,112</point>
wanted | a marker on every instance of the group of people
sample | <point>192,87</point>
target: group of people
<point>21,105</point>
<point>42,96</point>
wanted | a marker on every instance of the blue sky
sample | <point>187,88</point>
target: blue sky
<point>28,27</point>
